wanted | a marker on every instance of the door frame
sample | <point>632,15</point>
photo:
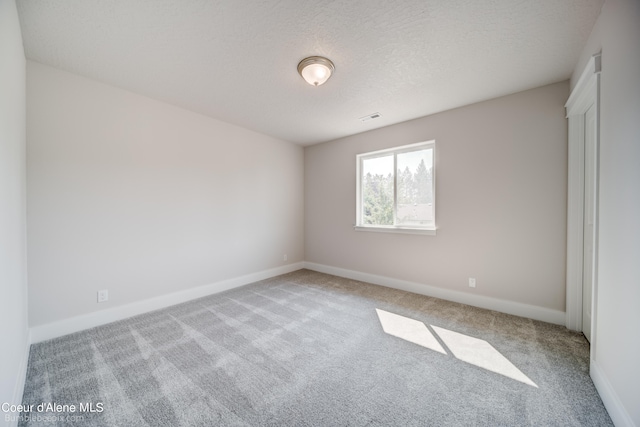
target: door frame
<point>585,94</point>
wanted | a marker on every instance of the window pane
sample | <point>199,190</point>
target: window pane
<point>377,191</point>
<point>415,187</point>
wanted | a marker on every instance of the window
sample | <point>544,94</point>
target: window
<point>396,189</point>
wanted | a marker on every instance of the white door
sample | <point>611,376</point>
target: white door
<point>589,219</point>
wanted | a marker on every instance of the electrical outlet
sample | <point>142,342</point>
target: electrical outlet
<point>103,295</point>
<point>284,258</point>
<point>472,282</point>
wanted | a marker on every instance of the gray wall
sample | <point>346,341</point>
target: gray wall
<point>501,201</point>
<point>144,199</point>
<point>617,34</point>
<point>13,272</point>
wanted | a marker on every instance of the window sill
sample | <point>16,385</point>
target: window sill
<point>400,230</point>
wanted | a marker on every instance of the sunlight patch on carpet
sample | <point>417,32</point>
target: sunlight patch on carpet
<point>463,347</point>
<point>480,353</point>
<point>409,330</point>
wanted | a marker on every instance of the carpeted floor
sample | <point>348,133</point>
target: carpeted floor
<point>310,349</point>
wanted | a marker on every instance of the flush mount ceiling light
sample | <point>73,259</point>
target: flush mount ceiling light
<point>316,70</point>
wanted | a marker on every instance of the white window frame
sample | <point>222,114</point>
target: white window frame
<point>412,229</point>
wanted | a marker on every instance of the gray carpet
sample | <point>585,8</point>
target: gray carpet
<point>308,349</point>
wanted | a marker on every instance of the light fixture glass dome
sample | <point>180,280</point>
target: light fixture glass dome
<point>315,70</point>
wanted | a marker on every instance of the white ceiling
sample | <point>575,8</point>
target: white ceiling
<point>235,60</point>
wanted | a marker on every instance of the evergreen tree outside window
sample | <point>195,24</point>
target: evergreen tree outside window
<point>396,189</point>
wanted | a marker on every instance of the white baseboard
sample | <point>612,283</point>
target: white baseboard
<point>18,389</point>
<point>510,307</point>
<point>90,320</point>
<point>612,403</point>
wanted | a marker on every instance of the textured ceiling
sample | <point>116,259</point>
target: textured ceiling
<point>235,60</point>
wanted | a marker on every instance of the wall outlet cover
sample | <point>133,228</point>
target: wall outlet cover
<point>103,295</point>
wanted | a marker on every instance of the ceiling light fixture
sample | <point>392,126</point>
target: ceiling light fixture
<point>316,70</point>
